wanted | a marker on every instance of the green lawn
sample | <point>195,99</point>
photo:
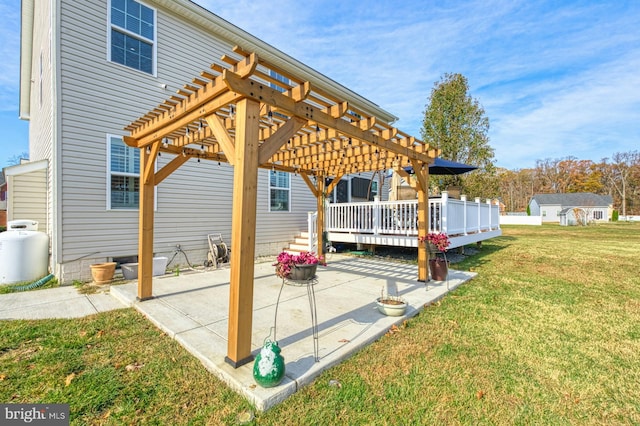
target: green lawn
<point>548,333</point>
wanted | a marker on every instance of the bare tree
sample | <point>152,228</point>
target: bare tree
<point>622,167</point>
<point>17,159</point>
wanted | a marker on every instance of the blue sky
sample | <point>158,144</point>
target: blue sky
<point>556,79</point>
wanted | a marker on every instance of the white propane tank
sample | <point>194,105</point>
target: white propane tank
<point>24,252</point>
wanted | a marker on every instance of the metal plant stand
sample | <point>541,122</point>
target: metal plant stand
<point>444,254</point>
<point>311,294</point>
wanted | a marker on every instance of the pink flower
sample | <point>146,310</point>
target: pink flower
<point>285,261</point>
<point>440,241</point>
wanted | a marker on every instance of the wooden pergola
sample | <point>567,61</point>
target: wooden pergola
<point>242,114</point>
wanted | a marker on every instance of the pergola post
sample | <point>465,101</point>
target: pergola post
<point>423,254</point>
<point>145,223</point>
<point>422,185</point>
<point>243,228</point>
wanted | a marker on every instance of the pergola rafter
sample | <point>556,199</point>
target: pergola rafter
<point>251,114</point>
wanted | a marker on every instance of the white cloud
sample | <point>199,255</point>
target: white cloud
<point>555,79</point>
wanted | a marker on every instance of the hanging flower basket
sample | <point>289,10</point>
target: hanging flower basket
<point>299,267</point>
<point>303,272</point>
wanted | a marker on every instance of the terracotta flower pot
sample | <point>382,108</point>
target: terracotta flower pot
<point>102,273</point>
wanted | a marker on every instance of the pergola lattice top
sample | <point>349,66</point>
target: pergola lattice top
<point>244,114</point>
<point>302,129</point>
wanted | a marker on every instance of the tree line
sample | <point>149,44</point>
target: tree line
<point>456,123</point>
<point>618,177</point>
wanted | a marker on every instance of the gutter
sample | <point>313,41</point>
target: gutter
<point>26,54</point>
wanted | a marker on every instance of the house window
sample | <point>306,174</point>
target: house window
<point>279,191</point>
<point>132,35</point>
<point>597,215</point>
<point>278,77</point>
<point>124,171</point>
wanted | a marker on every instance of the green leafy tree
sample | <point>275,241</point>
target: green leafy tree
<point>456,123</point>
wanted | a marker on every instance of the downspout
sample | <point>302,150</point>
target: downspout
<point>56,151</point>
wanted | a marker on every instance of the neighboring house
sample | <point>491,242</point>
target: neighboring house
<point>572,208</point>
<point>88,69</point>
<point>3,201</point>
<point>27,192</point>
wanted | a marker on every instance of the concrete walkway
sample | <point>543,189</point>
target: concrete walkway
<point>59,302</point>
<point>193,309</point>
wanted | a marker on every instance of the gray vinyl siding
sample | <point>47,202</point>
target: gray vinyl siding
<point>100,98</point>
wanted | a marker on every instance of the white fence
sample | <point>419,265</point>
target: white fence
<point>520,220</point>
<point>629,218</point>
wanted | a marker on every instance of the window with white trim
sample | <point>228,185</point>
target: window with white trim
<point>598,215</point>
<point>131,35</point>
<point>124,175</point>
<point>279,191</point>
<point>278,77</point>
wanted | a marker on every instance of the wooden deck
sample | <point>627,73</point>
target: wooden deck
<point>394,223</point>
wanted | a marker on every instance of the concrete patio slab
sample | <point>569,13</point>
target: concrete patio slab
<point>193,309</point>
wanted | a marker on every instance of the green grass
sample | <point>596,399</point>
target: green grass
<point>10,288</point>
<point>547,333</point>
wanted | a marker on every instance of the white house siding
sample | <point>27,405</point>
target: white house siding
<point>41,123</point>
<point>100,98</point>
<point>549,212</point>
<point>30,181</point>
<point>534,208</point>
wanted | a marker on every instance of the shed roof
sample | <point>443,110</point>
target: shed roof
<point>584,199</point>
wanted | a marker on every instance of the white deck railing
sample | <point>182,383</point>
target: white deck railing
<point>456,218</point>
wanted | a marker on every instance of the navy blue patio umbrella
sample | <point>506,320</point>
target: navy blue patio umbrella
<point>440,166</point>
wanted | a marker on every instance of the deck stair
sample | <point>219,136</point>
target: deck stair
<point>299,244</point>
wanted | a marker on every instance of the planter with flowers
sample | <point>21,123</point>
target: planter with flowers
<point>300,267</point>
<point>437,244</point>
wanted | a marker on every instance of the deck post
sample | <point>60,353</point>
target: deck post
<point>464,212</point>
<point>320,188</point>
<point>145,222</point>
<point>377,216</point>
<point>243,229</point>
<point>444,206</point>
<point>479,214</point>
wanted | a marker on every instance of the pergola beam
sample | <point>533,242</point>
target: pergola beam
<point>272,144</point>
<point>222,136</point>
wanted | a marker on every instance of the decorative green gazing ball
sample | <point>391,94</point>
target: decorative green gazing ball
<point>268,367</point>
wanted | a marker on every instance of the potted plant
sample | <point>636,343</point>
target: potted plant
<point>393,306</point>
<point>300,267</point>
<point>437,245</point>
<point>102,273</point>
